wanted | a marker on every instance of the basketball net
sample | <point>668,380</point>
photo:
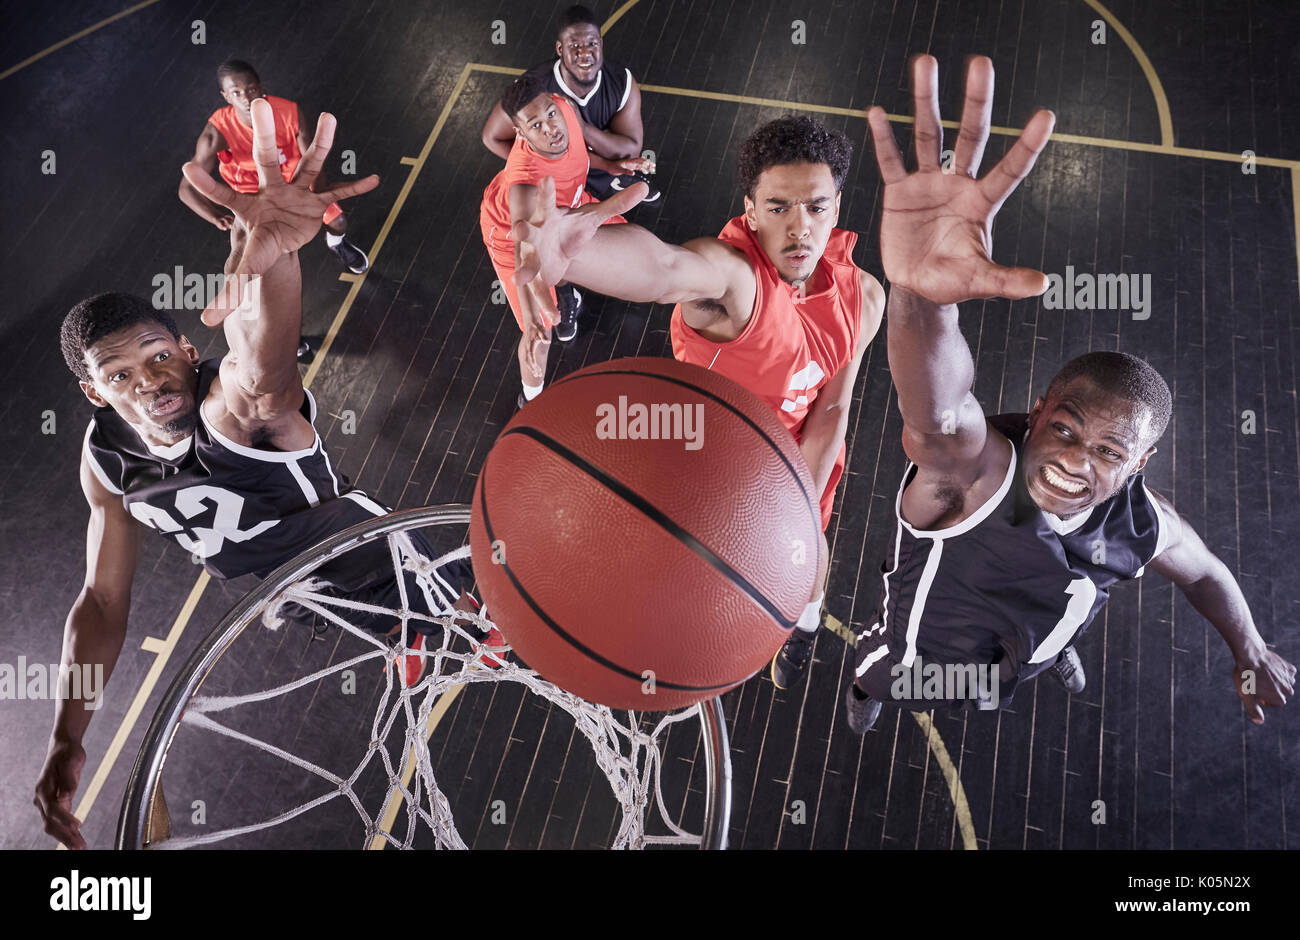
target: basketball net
<point>629,757</point>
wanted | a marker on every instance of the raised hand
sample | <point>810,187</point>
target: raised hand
<point>550,238</point>
<point>280,217</point>
<point>936,226</point>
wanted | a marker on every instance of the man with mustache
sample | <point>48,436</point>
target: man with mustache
<point>775,302</point>
<point>1012,528</point>
<point>221,455</point>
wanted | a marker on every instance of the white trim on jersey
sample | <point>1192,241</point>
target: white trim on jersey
<point>627,90</point>
<point>170,451</point>
<point>1162,530</point>
<point>95,468</point>
<point>582,102</point>
<point>918,602</point>
<point>313,498</point>
<point>971,521</point>
<point>871,658</point>
<point>330,468</point>
<point>270,456</point>
<point>1066,526</point>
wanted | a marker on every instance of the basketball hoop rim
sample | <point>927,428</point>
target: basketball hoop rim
<point>147,769</point>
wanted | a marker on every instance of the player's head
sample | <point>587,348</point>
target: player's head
<point>1096,426</point>
<point>536,116</point>
<point>579,45</point>
<point>791,171</point>
<point>239,84</point>
<point>134,359</point>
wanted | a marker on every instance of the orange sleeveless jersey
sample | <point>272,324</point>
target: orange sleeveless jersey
<point>789,348</point>
<point>240,173</point>
<point>525,165</point>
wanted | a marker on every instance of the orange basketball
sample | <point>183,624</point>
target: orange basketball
<point>645,534</point>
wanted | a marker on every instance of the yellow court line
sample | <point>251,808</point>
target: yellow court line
<point>1158,90</point>
<point>73,38</point>
<point>164,649</point>
<point>395,798</point>
<point>1295,210</point>
<point>618,15</point>
<point>932,739</point>
<point>958,792</point>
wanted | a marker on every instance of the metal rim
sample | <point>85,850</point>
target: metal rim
<point>141,785</point>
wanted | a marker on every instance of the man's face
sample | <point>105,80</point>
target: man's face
<point>1083,447</point>
<point>581,53</point>
<point>241,91</point>
<point>792,212</point>
<point>541,124</point>
<point>148,378</point>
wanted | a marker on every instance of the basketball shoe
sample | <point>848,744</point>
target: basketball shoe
<point>791,660</point>
<point>570,304</point>
<point>1068,670</point>
<point>860,709</point>
<point>350,256</point>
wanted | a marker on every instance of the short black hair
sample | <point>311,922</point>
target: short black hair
<point>1123,376</point>
<point>236,67</point>
<point>521,91</point>
<point>95,317</point>
<point>793,139</point>
<point>577,15</point>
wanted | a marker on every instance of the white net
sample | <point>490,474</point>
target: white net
<point>457,655</point>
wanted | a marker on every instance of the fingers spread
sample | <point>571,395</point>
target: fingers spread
<point>620,202</point>
<point>975,115</point>
<point>888,158</point>
<point>345,190</point>
<point>925,108</point>
<point>994,280</point>
<point>208,187</point>
<point>312,161</point>
<point>1019,160</point>
<point>265,153</point>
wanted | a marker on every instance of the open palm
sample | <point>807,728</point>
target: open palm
<point>936,225</point>
<point>281,216</point>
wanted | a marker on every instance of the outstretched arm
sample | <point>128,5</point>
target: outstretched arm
<point>92,635</point>
<point>1262,678</point>
<point>935,243</point>
<point>625,260</point>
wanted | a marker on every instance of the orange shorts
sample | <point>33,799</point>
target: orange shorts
<point>504,264</point>
<point>827,500</point>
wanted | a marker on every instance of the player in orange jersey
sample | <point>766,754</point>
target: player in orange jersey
<point>775,302</point>
<point>549,145</point>
<point>227,144</point>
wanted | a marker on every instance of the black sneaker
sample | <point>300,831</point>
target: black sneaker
<point>791,660</point>
<point>860,709</point>
<point>1068,671</point>
<point>351,257</point>
<point>570,304</point>
<point>627,180</point>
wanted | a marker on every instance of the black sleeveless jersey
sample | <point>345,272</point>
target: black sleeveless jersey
<point>606,98</point>
<point>1010,584</point>
<point>238,509</point>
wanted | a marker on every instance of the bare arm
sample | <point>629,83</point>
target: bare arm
<point>209,144</point>
<point>828,419</point>
<point>499,132</point>
<point>1210,587</point>
<point>623,138</point>
<point>93,635</point>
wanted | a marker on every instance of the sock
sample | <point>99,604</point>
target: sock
<point>331,239</point>
<point>811,617</point>
<point>531,392</point>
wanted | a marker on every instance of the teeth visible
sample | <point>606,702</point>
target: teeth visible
<point>1057,480</point>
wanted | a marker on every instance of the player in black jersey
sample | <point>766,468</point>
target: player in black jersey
<point>220,455</point>
<point>606,97</point>
<point>1011,530</point>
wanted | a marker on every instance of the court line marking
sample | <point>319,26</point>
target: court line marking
<point>417,164</point>
<point>73,38</point>
<point>1157,89</point>
<point>617,15</point>
<point>933,740</point>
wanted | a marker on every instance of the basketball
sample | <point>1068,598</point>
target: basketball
<point>645,533</point>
